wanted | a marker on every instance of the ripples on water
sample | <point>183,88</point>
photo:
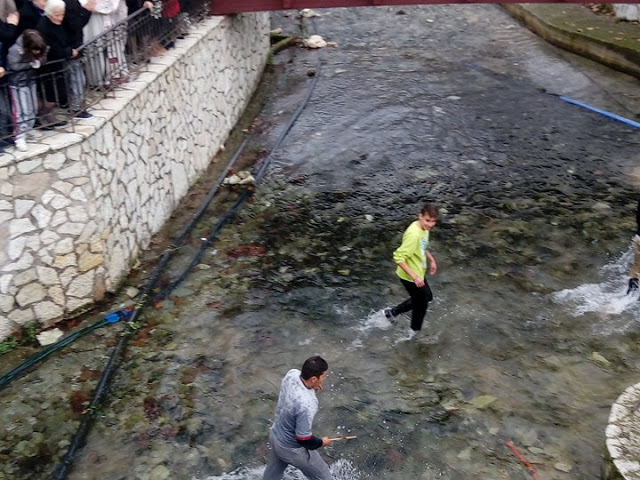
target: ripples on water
<point>341,470</point>
<point>607,297</point>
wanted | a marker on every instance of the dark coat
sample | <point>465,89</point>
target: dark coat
<point>8,34</point>
<point>56,37</point>
<point>75,18</point>
<point>30,15</point>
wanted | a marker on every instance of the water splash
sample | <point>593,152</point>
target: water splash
<point>374,320</point>
<point>607,297</point>
<point>405,336</point>
<point>377,320</point>
<point>341,470</point>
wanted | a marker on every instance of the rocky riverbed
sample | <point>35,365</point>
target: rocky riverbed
<point>530,337</point>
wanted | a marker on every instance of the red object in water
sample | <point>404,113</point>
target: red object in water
<point>226,7</point>
<point>522,459</point>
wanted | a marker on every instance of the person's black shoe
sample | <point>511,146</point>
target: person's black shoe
<point>42,125</point>
<point>83,114</point>
<point>49,122</point>
<point>389,314</point>
<point>52,126</point>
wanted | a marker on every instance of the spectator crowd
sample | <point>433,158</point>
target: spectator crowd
<point>50,50</point>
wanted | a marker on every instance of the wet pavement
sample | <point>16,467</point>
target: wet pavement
<point>530,337</point>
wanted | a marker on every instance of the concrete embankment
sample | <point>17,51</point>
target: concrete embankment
<point>574,28</point>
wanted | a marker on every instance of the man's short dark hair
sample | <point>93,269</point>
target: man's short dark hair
<point>314,367</point>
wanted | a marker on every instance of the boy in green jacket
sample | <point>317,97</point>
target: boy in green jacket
<point>412,258</point>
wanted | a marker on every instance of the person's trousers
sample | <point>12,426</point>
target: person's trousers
<point>309,462</point>
<point>25,106</point>
<point>76,82</point>
<point>418,301</point>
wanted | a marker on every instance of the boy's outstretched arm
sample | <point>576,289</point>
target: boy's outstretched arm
<point>433,266</point>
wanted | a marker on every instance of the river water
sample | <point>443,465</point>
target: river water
<point>530,336</point>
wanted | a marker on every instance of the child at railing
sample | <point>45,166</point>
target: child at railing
<point>25,57</point>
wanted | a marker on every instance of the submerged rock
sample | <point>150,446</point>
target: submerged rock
<point>315,41</point>
<point>49,336</point>
<point>482,401</point>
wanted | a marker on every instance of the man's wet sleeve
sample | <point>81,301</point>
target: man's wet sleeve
<point>303,425</point>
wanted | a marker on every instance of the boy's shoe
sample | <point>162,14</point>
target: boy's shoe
<point>21,144</point>
<point>83,114</point>
<point>389,314</point>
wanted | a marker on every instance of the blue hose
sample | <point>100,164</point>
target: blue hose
<point>601,112</point>
<point>38,357</point>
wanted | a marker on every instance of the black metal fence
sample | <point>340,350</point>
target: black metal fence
<point>57,92</point>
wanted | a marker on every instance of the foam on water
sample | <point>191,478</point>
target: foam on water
<point>405,335</point>
<point>375,320</point>
<point>341,470</point>
<point>608,297</point>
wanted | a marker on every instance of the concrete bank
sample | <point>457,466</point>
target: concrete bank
<point>77,208</point>
<point>574,28</point>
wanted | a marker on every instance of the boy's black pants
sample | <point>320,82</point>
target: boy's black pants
<point>417,302</point>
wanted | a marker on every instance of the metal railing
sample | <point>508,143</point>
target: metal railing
<point>52,95</point>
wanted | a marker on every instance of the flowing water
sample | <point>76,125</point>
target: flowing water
<point>529,339</point>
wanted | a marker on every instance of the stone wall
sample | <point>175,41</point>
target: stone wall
<point>78,207</point>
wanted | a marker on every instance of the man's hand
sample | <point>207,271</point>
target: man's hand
<point>326,441</point>
<point>633,286</point>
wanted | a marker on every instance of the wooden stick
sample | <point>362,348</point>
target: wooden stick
<point>344,437</point>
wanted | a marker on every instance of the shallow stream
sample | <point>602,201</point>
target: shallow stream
<point>530,337</point>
